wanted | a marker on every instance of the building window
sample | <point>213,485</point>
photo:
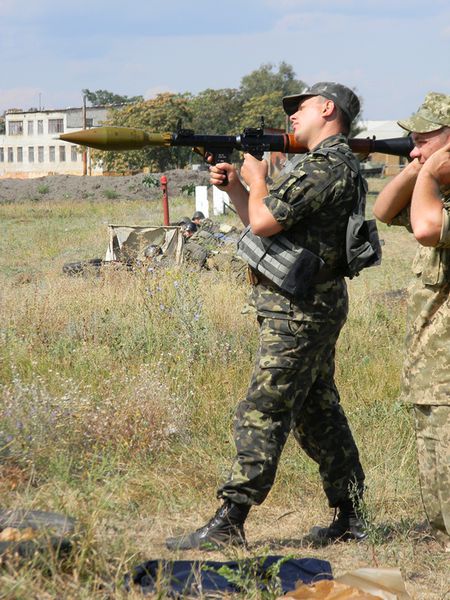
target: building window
<point>55,125</point>
<point>73,154</point>
<point>15,127</point>
<point>30,154</point>
<point>30,127</point>
<point>10,154</point>
<point>40,128</point>
<point>51,153</point>
<point>2,155</point>
<point>40,153</point>
<point>19,154</point>
<point>89,122</point>
<point>62,154</point>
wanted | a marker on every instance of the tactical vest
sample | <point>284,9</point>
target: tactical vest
<point>295,269</point>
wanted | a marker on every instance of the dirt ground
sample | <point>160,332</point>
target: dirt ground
<point>96,188</point>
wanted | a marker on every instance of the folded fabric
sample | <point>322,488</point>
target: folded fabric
<point>195,577</point>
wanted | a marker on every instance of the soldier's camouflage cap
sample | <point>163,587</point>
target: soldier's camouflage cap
<point>341,95</point>
<point>432,115</point>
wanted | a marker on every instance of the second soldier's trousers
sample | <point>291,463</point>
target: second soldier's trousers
<point>433,451</point>
<point>292,389</point>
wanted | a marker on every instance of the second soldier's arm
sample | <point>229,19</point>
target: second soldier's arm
<point>426,206</point>
<point>396,195</point>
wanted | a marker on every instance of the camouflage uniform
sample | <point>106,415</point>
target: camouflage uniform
<point>209,225</point>
<point>199,247</point>
<point>292,387</point>
<point>426,374</point>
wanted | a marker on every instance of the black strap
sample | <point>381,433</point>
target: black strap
<point>353,165</point>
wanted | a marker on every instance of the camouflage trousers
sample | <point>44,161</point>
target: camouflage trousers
<point>433,451</point>
<point>293,389</point>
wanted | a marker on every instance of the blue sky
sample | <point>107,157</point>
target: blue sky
<point>392,52</point>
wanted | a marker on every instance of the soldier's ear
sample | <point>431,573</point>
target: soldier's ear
<point>328,107</point>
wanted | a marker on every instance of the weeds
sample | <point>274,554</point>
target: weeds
<point>43,189</point>
<point>252,578</point>
<point>188,189</point>
<point>110,194</point>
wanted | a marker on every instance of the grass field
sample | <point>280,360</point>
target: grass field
<point>117,396</point>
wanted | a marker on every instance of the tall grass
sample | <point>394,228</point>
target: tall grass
<point>118,390</point>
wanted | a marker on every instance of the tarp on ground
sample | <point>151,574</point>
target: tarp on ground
<point>128,243</point>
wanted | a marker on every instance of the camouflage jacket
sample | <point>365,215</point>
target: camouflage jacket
<point>206,239</point>
<point>426,373</point>
<point>312,199</point>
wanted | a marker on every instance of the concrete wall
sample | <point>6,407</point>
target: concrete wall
<point>30,148</point>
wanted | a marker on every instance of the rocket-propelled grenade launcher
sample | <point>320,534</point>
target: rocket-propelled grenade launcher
<point>219,147</point>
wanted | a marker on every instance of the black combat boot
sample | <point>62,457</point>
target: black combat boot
<point>225,528</point>
<point>346,526</point>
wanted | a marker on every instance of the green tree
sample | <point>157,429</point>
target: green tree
<point>268,106</point>
<point>215,111</point>
<point>265,81</point>
<point>261,92</point>
<point>105,98</point>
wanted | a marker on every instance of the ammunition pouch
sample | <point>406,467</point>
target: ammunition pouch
<point>276,260</point>
<point>362,244</point>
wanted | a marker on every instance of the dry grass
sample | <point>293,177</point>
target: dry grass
<point>117,394</point>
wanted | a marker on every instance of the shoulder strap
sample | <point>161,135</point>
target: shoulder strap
<point>353,164</point>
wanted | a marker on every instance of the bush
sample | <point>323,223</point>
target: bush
<point>43,189</point>
<point>110,194</point>
<point>149,181</point>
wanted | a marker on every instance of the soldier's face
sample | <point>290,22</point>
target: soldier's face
<point>307,118</point>
<point>426,144</point>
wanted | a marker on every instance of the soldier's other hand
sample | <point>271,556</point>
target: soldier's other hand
<point>254,170</point>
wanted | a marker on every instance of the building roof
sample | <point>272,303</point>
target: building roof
<point>381,130</point>
<point>70,109</point>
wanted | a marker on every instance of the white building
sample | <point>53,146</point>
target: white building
<point>382,130</point>
<point>30,148</point>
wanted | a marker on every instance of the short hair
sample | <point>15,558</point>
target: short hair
<point>343,119</point>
